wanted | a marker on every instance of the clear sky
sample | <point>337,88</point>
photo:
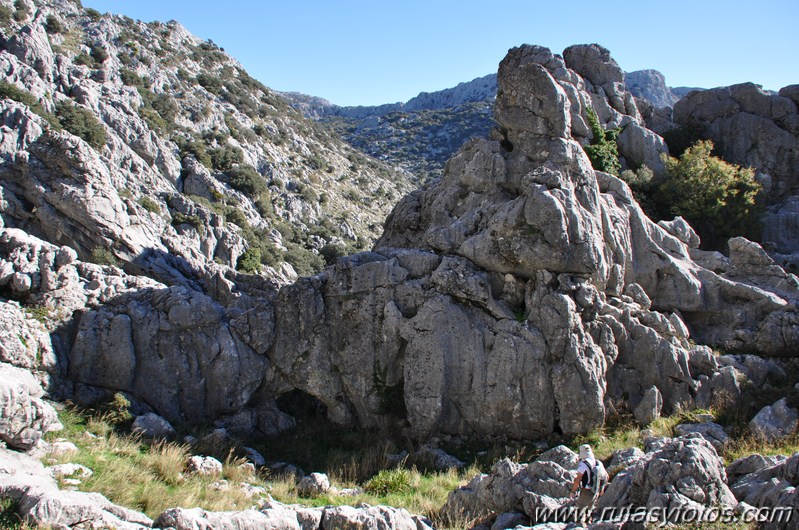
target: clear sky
<point>358,52</point>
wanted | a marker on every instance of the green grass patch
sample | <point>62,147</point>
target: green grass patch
<point>151,476</point>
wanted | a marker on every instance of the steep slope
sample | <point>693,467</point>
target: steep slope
<point>169,135</point>
<point>419,135</point>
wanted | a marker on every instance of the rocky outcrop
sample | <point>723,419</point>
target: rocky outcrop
<point>522,264</point>
<point>681,472</point>
<point>651,86</point>
<point>276,516</point>
<point>749,127</point>
<point>40,502</point>
<point>511,487</point>
<point>752,127</point>
<point>24,416</point>
<point>775,421</point>
<point>185,152</point>
<point>770,483</point>
<point>684,472</point>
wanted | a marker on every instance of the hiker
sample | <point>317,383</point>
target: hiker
<point>590,481</point>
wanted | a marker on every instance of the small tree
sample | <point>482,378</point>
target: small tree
<point>717,198</point>
<point>250,261</point>
<point>603,151</point>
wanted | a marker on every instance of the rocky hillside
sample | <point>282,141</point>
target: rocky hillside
<point>169,136</point>
<point>524,295</point>
<point>419,135</point>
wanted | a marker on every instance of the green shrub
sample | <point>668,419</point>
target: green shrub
<point>188,146</point>
<point>99,54</point>
<point>11,91</point>
<point>182,219</point>
<point>247,180</point>
<point>5,14</point>
<point>237,217</point>
<point>389,481</point>
<point>332,253</point>
<point>117,411</point>
<point>166,107</point>
<point>641,184</point>
<point>150,205</point>
<point>103,256</point>
<point>250,261</point>
<point>603,151</point>
<point>303,260</point>
<point>93,14</point>
<point>53,25</point>
<point>718,199</point>
<point>81,122</point>
<point>21,12</point>
<point>226,157</point>
<point>211,83</point>
<point>83,59</point>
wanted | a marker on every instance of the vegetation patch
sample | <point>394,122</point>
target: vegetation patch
<point>104,256</point>
<point>150,205</point>
<point>603,151</point>
<point>151,476</point>
<point>12,91</point>
<point>718,199</point>
<point>82,123</point>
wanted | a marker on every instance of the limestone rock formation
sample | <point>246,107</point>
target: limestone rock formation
<point>684,471</point>
<point>752,127</point>
<point>276,516</point>
<point>192,161</point>
<point>24,416</point>
<point>651,86</point>
<point>770,483</point>
<point>764,126</point>
<point>775,421</point>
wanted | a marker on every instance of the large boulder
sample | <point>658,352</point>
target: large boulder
<point>680,472</point>
<point>509,485</point>
<point>24,416</point>
<point>770,484</point>
<point>775,421</point>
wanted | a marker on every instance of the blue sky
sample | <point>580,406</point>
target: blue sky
<point>355,52</point>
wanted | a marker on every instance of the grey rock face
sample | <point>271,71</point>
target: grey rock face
<point>769,482</point>
<point>24,416</point>
<point>204,465</point>
<point>347,517</point>
<point>648,410</point>
<point>775,421</point>
<point>25,343</point>
<point>712,432</point>
<point>313,485</point>
<point>683,471</point>
<point>650,85</point>
<point>508,486</point>
<point>764,126</point>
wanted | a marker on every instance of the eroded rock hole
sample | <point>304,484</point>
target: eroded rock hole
<point>302,406</point>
